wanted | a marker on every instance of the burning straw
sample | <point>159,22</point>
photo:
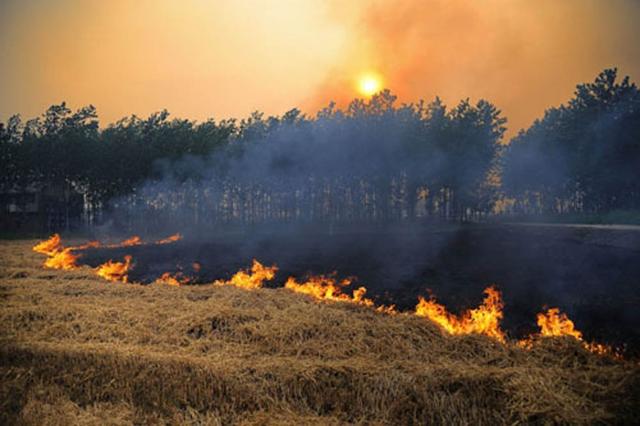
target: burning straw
<point>484,320</point>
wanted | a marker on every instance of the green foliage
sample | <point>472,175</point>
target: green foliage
<point>580,157</point>
<point>583,156</point>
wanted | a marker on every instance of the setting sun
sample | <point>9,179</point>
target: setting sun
<point>319,212</point>
<point>369,84</point>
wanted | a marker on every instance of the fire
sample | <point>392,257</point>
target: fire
<point>115,271</point>
<point>133,241</point>
<point>327,288</point>
<point>177,279</point>
<point>251,280</point>
<point>485,319</point>
<point>50,246</point>
<point>90,244</point>
<point>554,323</point>
<point>62,259</point>
<point>170,239</point>
<point>58,256</point>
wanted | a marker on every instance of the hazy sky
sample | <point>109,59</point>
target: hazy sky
<point>223,59</point>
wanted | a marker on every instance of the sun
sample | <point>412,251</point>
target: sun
<point>369,84</point>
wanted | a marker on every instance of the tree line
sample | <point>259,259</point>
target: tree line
<point>373,161</point>
<point>583,156</point>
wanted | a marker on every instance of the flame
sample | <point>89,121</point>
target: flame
<point>54,244</point>
<point>177,279</point>
<point>251,280</point>
<point>58,256</point>
<point>90,244</point>
<point>322,287</point>
<point>554,323</point>
<point>133,241</point>
<point>50,246</point>
<point>485,319</point>
<point>115,271</point>
<point>171,239</point>
<point>62,259</point>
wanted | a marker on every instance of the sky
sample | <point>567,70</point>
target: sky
<point>201,59</point>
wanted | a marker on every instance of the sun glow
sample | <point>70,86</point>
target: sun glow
<point>369,84</point>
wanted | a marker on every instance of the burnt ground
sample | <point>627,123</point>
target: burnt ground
<point>591,274</point>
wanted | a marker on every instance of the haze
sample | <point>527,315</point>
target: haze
<point>202,59</point>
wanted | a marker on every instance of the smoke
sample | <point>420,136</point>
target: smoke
<point>335,193</point>
<point>312,195</point>
<point>523,55</point>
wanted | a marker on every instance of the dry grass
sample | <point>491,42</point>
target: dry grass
<point>79,350</point>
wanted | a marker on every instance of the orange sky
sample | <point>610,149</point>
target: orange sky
<point>223,59</point>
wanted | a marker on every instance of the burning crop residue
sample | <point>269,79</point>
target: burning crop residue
<point>59,257</point>
<point>251,279</point>
<point>133,241</point>
<point>554,323</point>
<point>90,244</point>
<point>485,319</point>
<point>322,287</point>
<point>62,259</point>
<point>171,239</point>
<point>50,246</point>
<point>176,279</point>
<point>115,271</point>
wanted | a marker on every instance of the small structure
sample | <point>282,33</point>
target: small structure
<point>40,208</point>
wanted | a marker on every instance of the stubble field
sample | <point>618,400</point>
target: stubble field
<point>76,349</point>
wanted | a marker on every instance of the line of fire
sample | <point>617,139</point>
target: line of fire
<point>384,213</point>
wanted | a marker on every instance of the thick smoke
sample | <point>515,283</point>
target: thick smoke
<point>334,192</point>
<point>524,55</point>
<point>371,164</point>
<point>363,192</point>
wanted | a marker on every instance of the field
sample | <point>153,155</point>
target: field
<point>80,350</point>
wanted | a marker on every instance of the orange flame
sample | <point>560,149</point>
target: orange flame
<point>50,246</point>
<point>115,271</point>
<point>170,239</point>
<point>251,280</point>
<point>137,241</point>
<point>62,259</point>
<point>90,244</point>
<point>554,323</point>
<point>58,256</point>
<point>133,241</point>
<point>485,319</point>
<point>173,279</point>
<point>327,288</point>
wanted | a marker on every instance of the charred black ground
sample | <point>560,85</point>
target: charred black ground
<point>589,273</point>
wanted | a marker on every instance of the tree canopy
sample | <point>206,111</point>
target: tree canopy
<point>374,160</point>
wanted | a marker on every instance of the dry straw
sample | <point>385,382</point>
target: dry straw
<point>76,349</point>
